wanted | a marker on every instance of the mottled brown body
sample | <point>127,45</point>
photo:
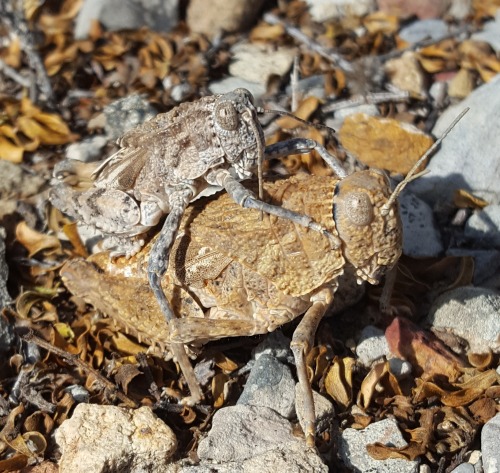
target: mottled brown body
<point>250,275</point>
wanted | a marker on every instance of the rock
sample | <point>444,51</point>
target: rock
<point>112,439</point>
<point>158,15</point>
<point>125,114</point>
<point>78,393</point>
<point>421,236</point>
<point>490,445</point>
<point>372,346</point>
<point>486,263</point>
<point>406,8</point>
<point>293,458</point>
<point>431,29</point>
<point>309,86</point>
<point>241,432</point>
<point>323,10</point>
<point>490,33</point>
<point>87,150</point>
<point>468,158</point>
<point>471,313</point>
<point>270,384</point>
<point>463,468</point>
<point>460,9</point>
<point>257,63</point>
<point>16,181</point>
<point>5,298</point>
<point>323,410</point>
<point>340,115</point>
<point>483,226</point>
<point>400,368</point>
<point>352,448</point>
<point>229,16</point>
<point>405,73</point>
<point>230,83</point>
<point>276,345</point>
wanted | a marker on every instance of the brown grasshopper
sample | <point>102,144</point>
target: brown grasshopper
<point>251,276</point>
<point>163,165</point>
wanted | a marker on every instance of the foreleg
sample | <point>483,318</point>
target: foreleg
<point>301,146</point>
<point>157,267</point>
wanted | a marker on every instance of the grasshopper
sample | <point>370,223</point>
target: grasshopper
<point>167,162</point>
<point>232,274</point>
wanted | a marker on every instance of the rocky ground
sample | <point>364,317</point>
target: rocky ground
<point>417,391</point>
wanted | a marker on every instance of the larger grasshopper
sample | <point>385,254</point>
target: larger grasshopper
<point>163,165</point>
<point>250,275</point>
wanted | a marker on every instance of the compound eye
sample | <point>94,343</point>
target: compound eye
<point>226,116</point>
<point>358,208</point>
<point>246,93</point>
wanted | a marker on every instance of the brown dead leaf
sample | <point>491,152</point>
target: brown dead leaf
<point>35,241</point>
<point>338,380</point>
<point>381,22</point>
<point>306,108</point>
<point>462,84</point>
<point>379,379</point>
<point>439,57</point>
<point>11,55</point>
<point>420,440</point>
<point>224,363</point>
<point>218,389</point>
<point>479,56</point>
<point>266,32</point>
<point>384,143</point>
<point>480,361</point>
<point>422,349</point>
<point>465,200</point>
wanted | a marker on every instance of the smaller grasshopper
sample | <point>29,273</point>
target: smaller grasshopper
<point>163,165</point>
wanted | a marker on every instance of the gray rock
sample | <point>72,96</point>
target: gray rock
<point>464,468</point>
<point>270,384</point>
<point>242,432</point>
<point>421,237</point>
<point>7,336</point>
<point>257,63</point>
<point>322,10</point>
<point>490,445</point>
<point>159,15</point>
<point>87,150</point>
<point>341,114</point>
<point>5,298</point>
<point>125,114</point>
<point>323,410</point>
<point>372,346</point>
<point>98,439</point>
<point>400,368</point>
<point>78,393</point>
<point>16,181</point>
<point>460,9</point>
<point>352,448</point>
<point>230,83</point>
<point>468,157</point>
<point>293,458</point>
<point>228,16</point>
<point>490,33</point>
<point>424,29</point>
<point>483,226</point>
<point>471,313</point>
<point>486,263</point>
<point>309,86</point>
<point>274,344</point>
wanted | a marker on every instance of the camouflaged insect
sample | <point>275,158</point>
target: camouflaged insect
<point>232,274</point>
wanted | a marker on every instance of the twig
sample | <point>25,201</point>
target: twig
<point>294,81</point>
<point>14,75</point>
<point>295,33</point>
<point>74,360</point>
<point>370,98</point>
<point>12,14</point>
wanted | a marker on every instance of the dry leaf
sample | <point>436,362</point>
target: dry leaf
<point>265,32</point>
<point>218,389</point>
<point>381,22</point>
<point>465,200</point>
<point>384,143</point>
<point>306,108</point>
<point>35,241</point>
<point>338,380</point>
<point>422,349</point>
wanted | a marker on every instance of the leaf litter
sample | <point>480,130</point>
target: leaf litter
<point>66,344</point>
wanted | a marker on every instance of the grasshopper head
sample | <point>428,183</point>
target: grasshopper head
<point>239,131</point>
<point>372,238</point>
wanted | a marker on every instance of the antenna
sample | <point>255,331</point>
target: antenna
<point>411,176</point>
